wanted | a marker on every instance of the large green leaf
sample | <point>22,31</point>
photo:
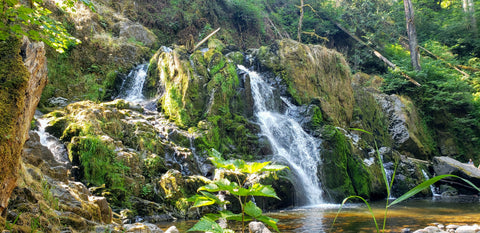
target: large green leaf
<point>254,167</point>
<point>207,224</point>
<point>262,191</point>
<point>253,210</point>
<point>426,184</point>
<point>203,201</point>
<point>226,214</point>
<point>274,167</point>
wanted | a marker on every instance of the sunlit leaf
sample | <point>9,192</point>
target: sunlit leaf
<point>207,224</point>
<point>262,191</point>
<point>255,167</point>
<point>274,167</point>
<point>252,210</point>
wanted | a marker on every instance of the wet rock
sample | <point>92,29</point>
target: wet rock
<point>314,74</point>
<point>172,229</point>
<point>258,227</point>
<point>141,228</point>
<point>468,229</point>
<point>57,102</point>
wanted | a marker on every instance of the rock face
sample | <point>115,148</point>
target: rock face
<point>53,199</point>
<point>21,83</point>
<point>445,165</point>
<point>405,126</point>
<point>313,74</point>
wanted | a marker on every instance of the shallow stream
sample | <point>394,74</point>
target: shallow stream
<point>355,218</point>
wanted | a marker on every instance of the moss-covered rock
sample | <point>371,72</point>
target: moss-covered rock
<point>203,91</point>
<point>312,73</point>
<point>22,80</point>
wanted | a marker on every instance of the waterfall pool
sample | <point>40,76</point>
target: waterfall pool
<point>354,218</point>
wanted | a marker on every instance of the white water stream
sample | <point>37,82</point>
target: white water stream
<point>132,86</point>
<point>290,143</point>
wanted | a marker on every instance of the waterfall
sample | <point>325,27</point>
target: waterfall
<point>290,143</point>
<point>54,144</point>
<point>432,188</point>
<point>132,86</point>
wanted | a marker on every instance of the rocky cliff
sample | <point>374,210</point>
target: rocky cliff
<point>23,77</point>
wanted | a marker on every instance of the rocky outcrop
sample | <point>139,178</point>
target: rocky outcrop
<point>405,126</point>
<point>133,157</point>
<point>202,92</point>
<point>313,75</point>
<point>445,165</point>
<point>22,79</point>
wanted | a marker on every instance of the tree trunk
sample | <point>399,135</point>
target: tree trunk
<point>300,21</point>
<point>412,35</point>
<point>22,80</point>
<point>469,9</point>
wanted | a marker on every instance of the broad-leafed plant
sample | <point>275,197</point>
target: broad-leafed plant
<point>246,184</point>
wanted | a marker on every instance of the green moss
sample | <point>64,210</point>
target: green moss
<point>317,118</point>
<point>13,84</point>
<point>369,116</point>
<point>335,165</point>
<point>96,159</point>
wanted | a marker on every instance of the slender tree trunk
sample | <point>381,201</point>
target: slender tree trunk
<point>412,35</point>
<point>469,9</point>
<point>300,21</point>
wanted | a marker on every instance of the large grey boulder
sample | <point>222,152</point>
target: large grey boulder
<point>446,165</point>
<point>404,126</point>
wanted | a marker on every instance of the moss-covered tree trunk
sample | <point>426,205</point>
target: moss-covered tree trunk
<point>22,80</point>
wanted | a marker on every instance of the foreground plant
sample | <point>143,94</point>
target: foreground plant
<point>247,177</point>
<point>388,185</point>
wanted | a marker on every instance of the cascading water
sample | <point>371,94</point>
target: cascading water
<point>132,86</point>
<point>432,188</point>
<point>54,144</point>
<point>291,144</point>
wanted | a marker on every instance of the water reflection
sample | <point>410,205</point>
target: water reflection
<point>356,218</point>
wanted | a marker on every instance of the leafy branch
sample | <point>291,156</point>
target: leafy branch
<point>33,21</point>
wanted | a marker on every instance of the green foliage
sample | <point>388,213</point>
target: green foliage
<point>446,100</point>
<point>100,167</point>
<point>34,22</point>
<point>48,196</point>
<point>247,175</point>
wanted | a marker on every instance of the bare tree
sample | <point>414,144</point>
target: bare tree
<point>412,35</point>
<point>300,21</point>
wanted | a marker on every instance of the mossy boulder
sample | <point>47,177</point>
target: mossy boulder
<point>312,73</point>
<point>347,172</point>
<point>202,92</point>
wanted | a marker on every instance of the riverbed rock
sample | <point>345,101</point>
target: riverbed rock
<point>258,227</point>
<point>142,228</point>
<point>468,229</point>
<point>172,229</point>
<point>445,165</point>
